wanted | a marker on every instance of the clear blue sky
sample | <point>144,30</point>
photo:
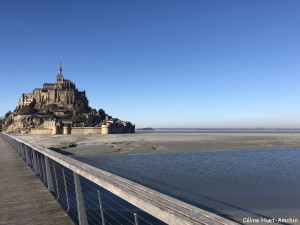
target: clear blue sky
<point>160,63</point>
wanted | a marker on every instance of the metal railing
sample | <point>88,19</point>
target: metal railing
<point>93,196</point>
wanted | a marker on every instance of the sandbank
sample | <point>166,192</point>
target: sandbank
<point>97,144</point>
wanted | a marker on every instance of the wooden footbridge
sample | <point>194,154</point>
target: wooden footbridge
<point>23,198</point>
<point>40,186</point>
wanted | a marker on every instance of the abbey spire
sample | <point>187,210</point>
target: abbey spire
<point>60,69</point>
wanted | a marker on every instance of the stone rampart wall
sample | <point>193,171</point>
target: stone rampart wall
<point>83,130</point>
<point>120,130</point>
<point>40,131</point>
<point>117,130</point>
<point>57,130</point>
<point>86,130</point>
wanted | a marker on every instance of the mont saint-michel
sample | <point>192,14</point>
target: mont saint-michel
<point>60,108</point>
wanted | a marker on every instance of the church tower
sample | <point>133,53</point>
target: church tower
<point>59,77</point>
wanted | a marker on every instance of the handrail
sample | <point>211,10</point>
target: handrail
<point>161,206</point>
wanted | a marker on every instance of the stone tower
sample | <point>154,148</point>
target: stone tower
<point>63,93</point>
<point>59,77</point>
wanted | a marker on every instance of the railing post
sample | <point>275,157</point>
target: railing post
<point>43,168</point>
<point>38,164</point>
<point>30,156</point>
<point>35,163</point>
<point>80,202</point>
<point>101,208</point>
<point>49,175</point>
<point>136,220</point>
<point>14,144</point>
<point>27,154</point>
<point>66,189</point>
<point>21,150</point>
<point>57,190</point>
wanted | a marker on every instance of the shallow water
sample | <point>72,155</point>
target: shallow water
<point>235,184</point>
<point>222,131</point>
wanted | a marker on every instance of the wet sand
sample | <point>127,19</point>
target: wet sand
<point>97,144</point>
<point>235,184</point>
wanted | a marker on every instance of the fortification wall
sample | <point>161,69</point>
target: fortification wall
<point>86,130</point>
<point>130,129</point>
<point>105,129</point>
<point>121,130</point>
<point>117,130</point>
<point>83,130</point>
<point>40,131</point>
<point>57,130</point>
<point>66,130</point>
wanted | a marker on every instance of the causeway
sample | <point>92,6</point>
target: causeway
<point>23,198</point>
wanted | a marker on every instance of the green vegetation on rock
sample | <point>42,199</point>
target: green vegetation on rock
<point>9,122</point>
<point>7,114</point>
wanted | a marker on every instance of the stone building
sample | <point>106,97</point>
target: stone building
<point>49,124</point>
<point>63,93</point>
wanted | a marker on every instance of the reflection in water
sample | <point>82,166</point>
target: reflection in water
<point>234,184</point>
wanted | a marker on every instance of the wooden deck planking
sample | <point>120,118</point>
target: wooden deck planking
<point>23,198</point>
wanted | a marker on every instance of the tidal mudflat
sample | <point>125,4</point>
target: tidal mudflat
<point>251,178</point>
<point>97,144</point>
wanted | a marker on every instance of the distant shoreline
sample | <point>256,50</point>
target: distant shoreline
<point>225,129</point>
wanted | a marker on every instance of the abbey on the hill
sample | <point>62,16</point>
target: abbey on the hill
<point>62,93</point>
<point>59,108</point>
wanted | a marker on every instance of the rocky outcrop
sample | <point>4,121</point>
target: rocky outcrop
<point>18,123</point>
